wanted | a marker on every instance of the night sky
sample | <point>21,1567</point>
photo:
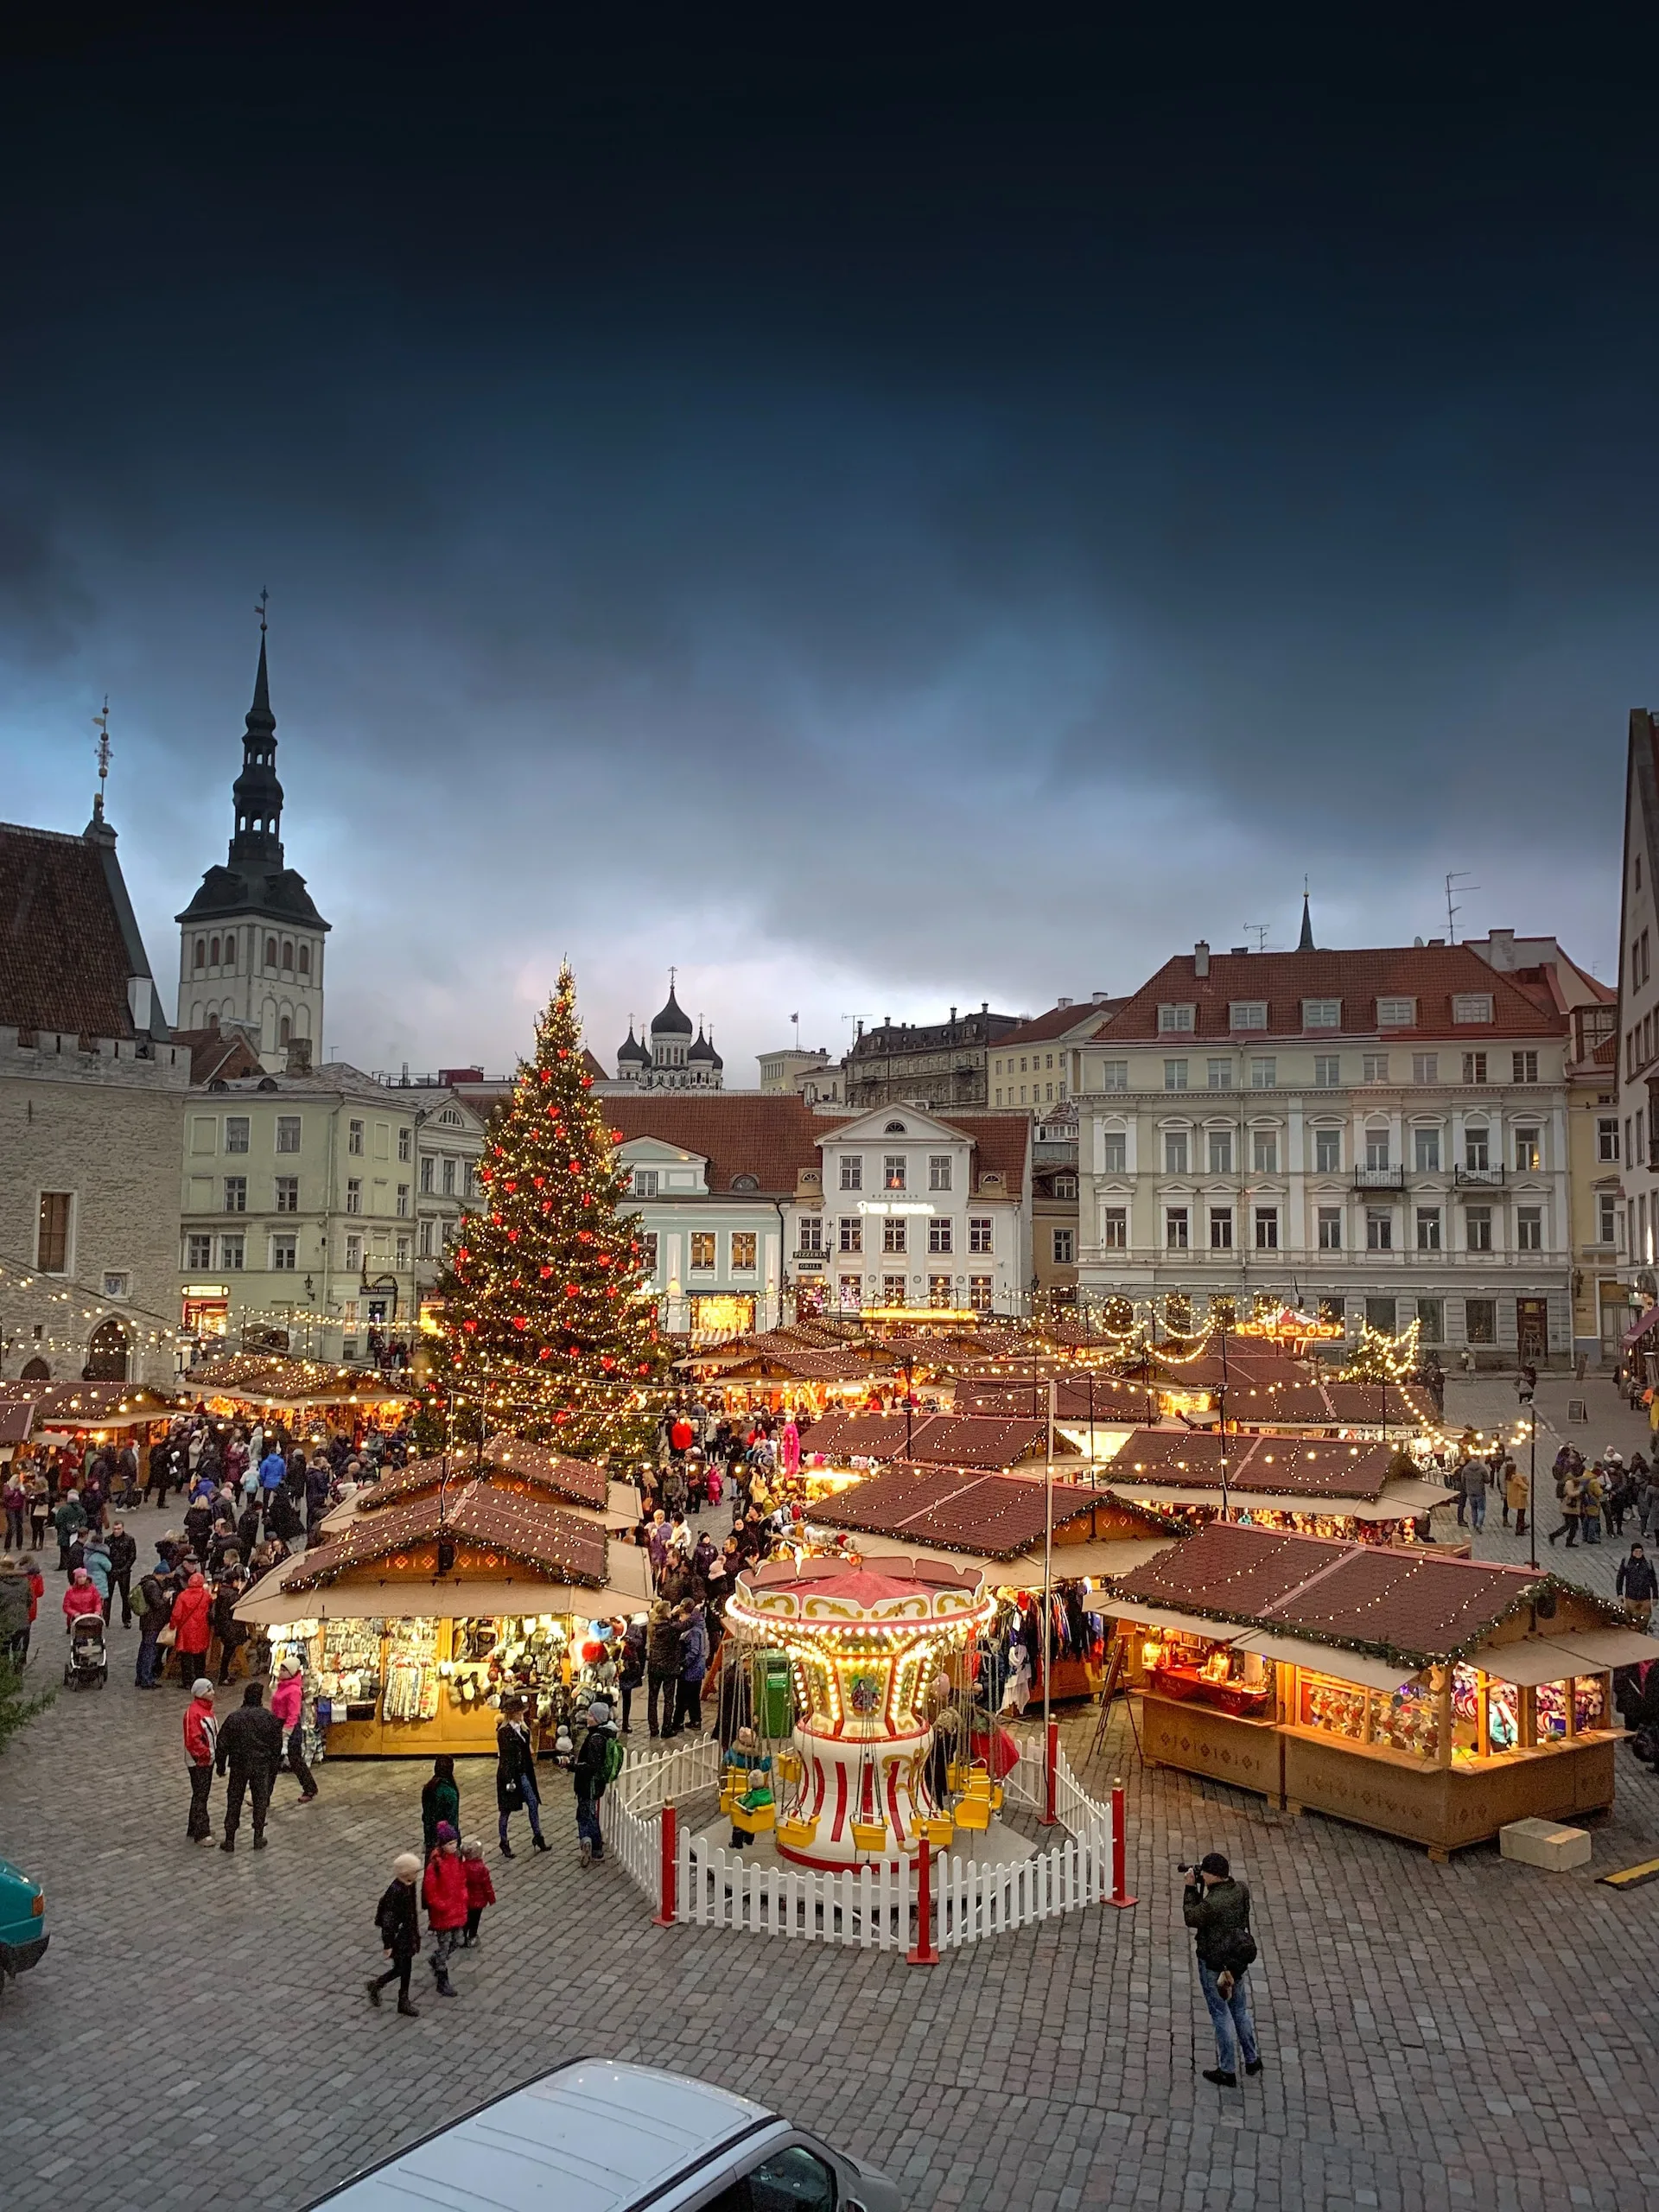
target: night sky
<point>879,516</point>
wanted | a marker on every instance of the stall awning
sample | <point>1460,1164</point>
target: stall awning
<point>1355,1667</point>
<point>1608,1647</point>
<point>1637,1330</point>
<point>1533,1660</point>
<point>357,1601</point>
<point>1165,1616</point>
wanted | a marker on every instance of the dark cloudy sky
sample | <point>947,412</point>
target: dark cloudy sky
<point>878,516</point>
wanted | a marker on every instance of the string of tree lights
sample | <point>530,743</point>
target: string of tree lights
<point>549,1324</point>
<point>77,1302</point>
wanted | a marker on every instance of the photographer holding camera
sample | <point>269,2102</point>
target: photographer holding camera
<point>1218,1909</point>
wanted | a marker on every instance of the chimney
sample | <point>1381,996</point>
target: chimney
<point>299,1056</point>
<point>139,995</point>
<point>1201,959</point>
<point>1098,998</point>
<point>953,1013</point>
<point>984,1006</point>
<point>1062,1001</point>
<point>1503,948</point>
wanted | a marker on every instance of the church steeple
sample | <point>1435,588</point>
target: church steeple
<point>257,794</point>
<point>1305,943</point>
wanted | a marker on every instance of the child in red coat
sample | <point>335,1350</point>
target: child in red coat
<point>481,1890</point>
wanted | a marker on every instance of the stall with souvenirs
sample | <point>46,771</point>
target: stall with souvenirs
<point>1428,1697</point>
<point>414,1623</point>
<point>310,1396</point>
<point>49,1415</point>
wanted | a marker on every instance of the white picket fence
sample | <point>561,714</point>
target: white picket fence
<point>871,1907</point>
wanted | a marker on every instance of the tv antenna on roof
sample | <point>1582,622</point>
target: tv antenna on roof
<point>101,724</point>
<point>1456,881</point>
<point>1258,932</point>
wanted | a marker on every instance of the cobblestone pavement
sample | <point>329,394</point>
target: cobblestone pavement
<point>1474,2035</point>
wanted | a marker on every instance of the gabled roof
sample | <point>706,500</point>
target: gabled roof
<point>1165,1459</point>
<point>955,1510</point>
<point>493,1525</point>
<point>770,1135</point>
<point>218,1055</point>
<point>508,1462</point>
<point>939,1440</point>
<point>1432,975</point>
<point>1075,1018</point>
<point>68,942</point>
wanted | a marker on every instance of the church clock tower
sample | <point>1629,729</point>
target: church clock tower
<point>250,945</point>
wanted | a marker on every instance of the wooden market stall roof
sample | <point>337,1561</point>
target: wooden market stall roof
<point>1173,1458</point>
<point>510,1464</point>
<point>993,1515</point>
<point>267,1380</point>
<point>1373,1405</point>
<point>943,1439</point>
<point>490,1528</point>
<point>26,1408</point>
<point>800,1364</point>
<point>1417,1607</point>
<point>1077,1397</point>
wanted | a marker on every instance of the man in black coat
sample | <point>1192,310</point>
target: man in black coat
<point>1218,1908</point>
<point>123,1557</point>
<point>250,1745</point>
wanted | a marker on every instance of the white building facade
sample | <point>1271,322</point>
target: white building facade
<point>1383,1133</point>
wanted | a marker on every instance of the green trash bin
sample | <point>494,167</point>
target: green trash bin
<point>776,1716</point>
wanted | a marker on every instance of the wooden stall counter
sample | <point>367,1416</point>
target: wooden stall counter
<point>1445,1808</point>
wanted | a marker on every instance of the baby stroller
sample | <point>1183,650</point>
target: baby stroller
<point>88,1662</point>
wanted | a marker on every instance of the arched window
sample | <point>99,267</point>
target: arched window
<point>106,1354</point>
<point>305,960</point>
<point>230,954</point>
<point>287,952</point>
<point>213,954</point>
<point>201,954</point>
<point>284,1030</point>
<point>37,1371</point>
<point>270,953</point>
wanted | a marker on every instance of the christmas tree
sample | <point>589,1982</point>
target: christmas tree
<point>549,1319</point>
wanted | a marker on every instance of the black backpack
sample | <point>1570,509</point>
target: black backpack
<point>1236,1952</point>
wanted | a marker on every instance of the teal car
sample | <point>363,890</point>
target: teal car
<point>23,1938</point>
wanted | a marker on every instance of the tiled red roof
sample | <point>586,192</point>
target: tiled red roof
<point>524,1529</point>
<point>770,1136</point>
<point>1061,1021</point>
<point>226,1054</point>
<point>64,960</point>
<point>1432,974</point>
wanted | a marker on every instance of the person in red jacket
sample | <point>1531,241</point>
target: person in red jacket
<point>444,1895</point>
<point>191,1620</point>
<point>201,1742</point>
<point>81,1597</point>
<point>481,1890</point>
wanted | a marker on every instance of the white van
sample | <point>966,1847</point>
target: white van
<point>602,2136</point>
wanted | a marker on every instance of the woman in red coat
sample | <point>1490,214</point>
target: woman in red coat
<point>191,1620</point>
<point>444,1895</point>
<point>81,1597</point>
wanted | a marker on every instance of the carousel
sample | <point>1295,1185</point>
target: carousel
<point>882,1746</point>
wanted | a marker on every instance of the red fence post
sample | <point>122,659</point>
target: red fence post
<point>1050,1763</point>
<point>670,1869</point>
<point>924,1954</point>
<point>1120,1850</point>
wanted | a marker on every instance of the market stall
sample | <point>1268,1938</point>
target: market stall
<point>509,1463</point>
<point>413,1623</point>
<point>82,1413</point>
<point>842,1449</point>
<point>1368,1493</point>
<point>316,1398</point>
<point>1430,1698</point>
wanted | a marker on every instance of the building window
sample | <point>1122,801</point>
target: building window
<point>1065,1186</point>
<point>1426,1151</point>
<point>1377,1147</point>
<point>893,1290</point>
<point>403,1202</point>
<point>1474,1067</point>
<point>1396,1014</point>
<point>1114,1228</point>
<point>284,1252</point>
<point>1472,1006</point>
<point>939,1234</point>
<point>1477,1228</point>
<point>1529,1229</point>
<point>270,953</point>
<point>892,1172</point>
<point>1607,1140</point>
<point>1379,1230</point>
<point>1174,1152</point>
<point>1327,1151</point>
<point>1264,1150</point>
<point>938,1170</point>
<point>1429,1228</point>
<point>1113,1075</point>
<point>402,1251</point>
<point>198,1251</point>
<point>405,1144</point>
<point>1114,1152</point>
<point>1609,1221</point>
<point>1221,1229</point>
<point>809,1235</point>
<point>1267,1229</point>
<point>743,1251</point>
<point>1527,1153</point>
<point>1329,1229</point>
<point>1220,1074</point>
<point>1424,1067</point>
<point>236,1194</point>
<point>645,1182</point>
<point>1174,1075</point>
<point>851,1233</point>
<point>201,954</point>
<point>646,1240</point>
<point>466,1178</point>
<point>1247,1014</point>
<point>1523,1067</point>
<point>354,1138</point>
<point>852,1172</point>
<point>428,1164</point>
<point>236,1133</point>
<point>938,1292</point>
<point>1431,1320</point>
<point>288,1133</point>
<point>1175,1237</point>
<point>287,1194</point>
<point>1381,1313</point>
<point>1174,1018</point>
<point>702,1251</point>
<point>1321,1013</point>
<point>1476,1152</point>
<point>449,1178</point>
<point>979,1293</point>
<point>1064,1247</point>
<point>1264,1074</point>
<point>1221,1152</point>
<point>1480,1320</point>
<point>1374,1067</point>
<point>354,1194</point>
<point>355,1251</point>
<point>1327,1071</point>
<point>426,1236</point>
<point>893,1232</point>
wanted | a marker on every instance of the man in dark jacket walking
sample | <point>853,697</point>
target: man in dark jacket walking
<point>123,1557</point>
<point>1638,1585</point>
<point>250,1745</point>
<point>663,1658</point>
<point>589,1778</point>
<point>1218,1909</point>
